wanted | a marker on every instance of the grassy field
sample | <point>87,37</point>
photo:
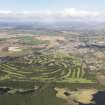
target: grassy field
<point>28,40</point>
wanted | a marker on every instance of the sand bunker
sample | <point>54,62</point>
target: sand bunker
<point>84,96</point>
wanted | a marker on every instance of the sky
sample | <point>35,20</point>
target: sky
<point>19,5</point>
<point>52,9</point>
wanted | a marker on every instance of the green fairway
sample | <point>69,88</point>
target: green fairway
<point>57,67</point>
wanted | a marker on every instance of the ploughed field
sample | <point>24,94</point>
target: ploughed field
<point>45,67</point>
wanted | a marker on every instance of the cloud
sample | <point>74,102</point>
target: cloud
<point>5,12</point>
<point>52,15</point>
<point>80,13</point>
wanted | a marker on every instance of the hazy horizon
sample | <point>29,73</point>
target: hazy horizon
<point>52,10</point>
